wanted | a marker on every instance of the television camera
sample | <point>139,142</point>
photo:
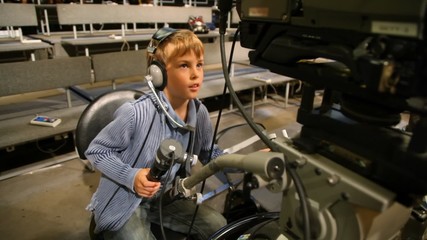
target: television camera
<point>369,58</point>
<point>362,175</point>
<point>376,70</point>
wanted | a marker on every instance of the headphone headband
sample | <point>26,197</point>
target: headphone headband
<point>158,37</point>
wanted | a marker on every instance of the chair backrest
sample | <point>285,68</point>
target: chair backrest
<point>17,15</point>
<point>98,114</point>
<point>46,74</point>
<point>73,14</point>
<point>119,65</point>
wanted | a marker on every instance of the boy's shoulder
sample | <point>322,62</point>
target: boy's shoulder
<point>200,105</point>
<point>144,102</point>
<point>145,99</point>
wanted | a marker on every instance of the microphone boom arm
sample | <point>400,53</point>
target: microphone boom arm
<point>269,168</point>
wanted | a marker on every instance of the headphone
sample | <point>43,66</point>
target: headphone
<point>156,70</point>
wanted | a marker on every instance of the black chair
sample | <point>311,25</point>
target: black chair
<point>98,114</point>
<point>93,119</point>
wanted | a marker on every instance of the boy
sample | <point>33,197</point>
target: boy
<point>126,201</point>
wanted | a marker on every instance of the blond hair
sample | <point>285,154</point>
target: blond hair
<point>183,40</point>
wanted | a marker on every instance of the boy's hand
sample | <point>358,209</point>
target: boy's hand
<point>142,186</point>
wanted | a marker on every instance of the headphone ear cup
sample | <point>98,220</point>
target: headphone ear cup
<point>158,75</point>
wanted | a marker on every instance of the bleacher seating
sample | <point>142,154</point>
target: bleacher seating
<point>63,73</point>
<point>34,76</point>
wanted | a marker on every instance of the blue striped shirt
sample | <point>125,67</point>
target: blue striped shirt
<point>115,149</point>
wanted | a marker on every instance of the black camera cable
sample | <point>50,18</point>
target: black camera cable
<point>225,7</point>
<point>214,137</point>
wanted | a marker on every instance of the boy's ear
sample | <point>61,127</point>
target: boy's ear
<point>158,75</point>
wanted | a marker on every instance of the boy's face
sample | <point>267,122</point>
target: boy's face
<point>185,77</point>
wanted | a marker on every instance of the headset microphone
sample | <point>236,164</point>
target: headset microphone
<point>153,90</point>
<point>157,75</point>
<point>169,151</point>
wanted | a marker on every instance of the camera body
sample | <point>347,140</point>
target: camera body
<point>375,54</point>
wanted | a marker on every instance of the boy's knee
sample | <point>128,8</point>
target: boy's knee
<point>212,218</point>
